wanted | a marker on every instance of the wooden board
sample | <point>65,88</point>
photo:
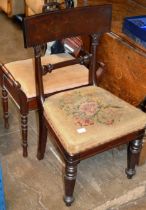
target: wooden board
<point>125,74</point>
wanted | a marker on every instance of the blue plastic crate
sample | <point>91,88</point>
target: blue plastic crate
<point>2,198</point>
<point>135,27</point>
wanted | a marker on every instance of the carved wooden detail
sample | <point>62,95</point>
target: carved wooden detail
<point>24,134</point>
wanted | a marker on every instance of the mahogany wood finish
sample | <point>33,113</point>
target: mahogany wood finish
<point>133,151</point>
<point>94,21</point>
<point>12,87</point>
<point>82,60</point>
<point>33,32</point>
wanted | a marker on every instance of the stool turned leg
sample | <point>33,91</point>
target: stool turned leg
<point>69,180</point>
<point>134,149</point>
<point>24,134</point>
<point>5,107</point>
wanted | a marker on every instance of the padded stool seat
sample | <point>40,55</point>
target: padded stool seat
<point>90,116</point>
<point>66,77</point>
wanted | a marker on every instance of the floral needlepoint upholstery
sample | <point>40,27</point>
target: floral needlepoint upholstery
<point>90,116</point>
<point>89,109</point>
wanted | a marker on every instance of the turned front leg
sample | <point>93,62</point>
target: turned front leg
<point>69,180</point>
<point>134,149</point>
<point>24,134</point>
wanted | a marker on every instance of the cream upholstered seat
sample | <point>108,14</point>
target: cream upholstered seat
<point>19,81</point>
<point>23,72</point>
<point>88,117</point>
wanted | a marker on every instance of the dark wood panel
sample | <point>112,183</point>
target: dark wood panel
<point>57,25</point>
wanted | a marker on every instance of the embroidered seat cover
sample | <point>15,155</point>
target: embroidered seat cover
<point>90,116</point>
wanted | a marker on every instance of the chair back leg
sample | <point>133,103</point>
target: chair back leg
<point>42,137</point>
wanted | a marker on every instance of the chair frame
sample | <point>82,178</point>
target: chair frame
<point>35,34</point>
<point>12,87</point>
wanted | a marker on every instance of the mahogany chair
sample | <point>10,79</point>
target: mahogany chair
<point>86,120</point>
<point>18,80</point>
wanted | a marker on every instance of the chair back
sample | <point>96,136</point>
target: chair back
<point>55,25</point>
